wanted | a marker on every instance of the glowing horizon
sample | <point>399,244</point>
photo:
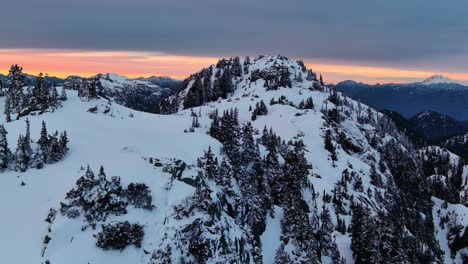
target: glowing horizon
<point>63,63</point>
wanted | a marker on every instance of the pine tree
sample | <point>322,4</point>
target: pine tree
<point>273,174</point>
<point>92,89</point>
<point>224,177</point>
<point>40,94</point>
<point>7,109</point>
<point>27,137</point>
<point>63,96</point>
<point>375,177</point>
<point>249,149</point>
<point>53,97</point>
<point>102,174</point>
<point>63,141</point>
<point>89,174</point>
<point>21,155</point>
<point>4,150</point>
<point>282,257</point>
<point>55,148</point>
<point>329,145</point>
<point>209,163</point>
<point>226,83</point>
<point>15,92</point>
<point>43,143</point>
<point>195,122</point>
<point>214,128</point>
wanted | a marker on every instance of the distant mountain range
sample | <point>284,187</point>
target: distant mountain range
<point>430,126</point>
<point>31,79</point>
<point>161,81</point>
<point>142,94</point>
<point>437,93</point>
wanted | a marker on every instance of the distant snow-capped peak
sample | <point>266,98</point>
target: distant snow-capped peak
<point>439,78</point>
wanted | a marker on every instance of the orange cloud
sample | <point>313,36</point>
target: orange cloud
<point>88,63</point>
<point>62,63</point>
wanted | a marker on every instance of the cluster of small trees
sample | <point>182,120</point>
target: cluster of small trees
<point>49,149</point>
<point>117,236</point>
<point>259,110</point>
<point>97,197</point>
<point>307,104</point>
<point>275,77</point>
<point>42,97</point>
<point>203,89</point>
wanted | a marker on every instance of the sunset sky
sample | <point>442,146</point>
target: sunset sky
<point>366,40</point>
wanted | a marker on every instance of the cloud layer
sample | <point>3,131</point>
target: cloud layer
<point>393,32</point>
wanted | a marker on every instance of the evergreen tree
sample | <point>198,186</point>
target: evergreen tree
<point>21,155</point>
<point>249,149</point>
<point>225,84</point>
<point>53,96</point>
<point>214,128</point>
<point>41,94</point>
<point>63,96</point>
<point>209,163</point>
<point>92,89</point>
<point>89,174</point>
<point>15,92</point>
<point>63,141</point>
<point>329,145</point>
<point>4,150</point>
<point>7,109</point>
<point>43,143</point>
<point>102,174</point>
<point>27,137</point>
<point>282,257</point>
<point>54,148</point>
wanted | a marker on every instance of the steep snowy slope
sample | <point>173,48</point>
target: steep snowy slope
<point>360,181</point>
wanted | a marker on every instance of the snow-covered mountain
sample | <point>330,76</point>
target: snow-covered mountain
<point>439,78</point>
<point>162,81</point>
<point>255,162</point>
<point>139,94</point>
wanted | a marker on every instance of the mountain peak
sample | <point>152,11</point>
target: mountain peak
<point>438,78</point>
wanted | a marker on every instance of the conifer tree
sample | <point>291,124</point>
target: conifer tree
<point>15,92</point>
<point>282,257</point>
<point>27,137</point>
<point>21,155</point>
<point>63,141</point>
<point>209,163</point>
<point>214,128</point>
<point>7,109</point>
<point>54,97</point>
<point>43,143</point>
<point>102,174</point>
<point>329,145</point>
<point>92,89</point>
<point>4,150</point>
<point>89,174</point>
<point>249,149</point>
<point>63,96</point>
<point>55,153</point>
